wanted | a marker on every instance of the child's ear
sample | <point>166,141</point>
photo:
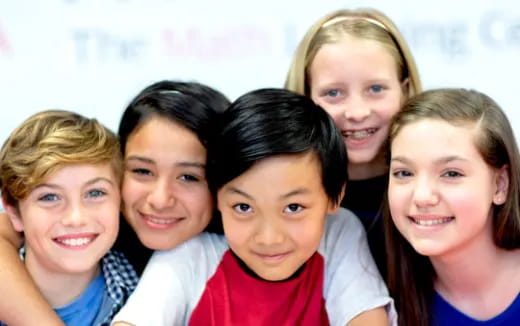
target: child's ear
<point>502,185</point>
<point>14,215</point>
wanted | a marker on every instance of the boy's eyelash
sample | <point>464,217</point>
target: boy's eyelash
<point>98,193</point>
<point>47,197</point>
<point>242,208</point>
<point>298,208</point>
<point>189,178</point>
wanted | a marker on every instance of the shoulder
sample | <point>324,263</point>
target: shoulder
<point>119,274</point>
<point>343,224</point>
<point>198,256</point>
<point>205,244</point>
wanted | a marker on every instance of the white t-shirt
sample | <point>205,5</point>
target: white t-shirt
<point>174,280</point>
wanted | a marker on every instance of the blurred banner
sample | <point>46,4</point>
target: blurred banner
<point>93,56</point>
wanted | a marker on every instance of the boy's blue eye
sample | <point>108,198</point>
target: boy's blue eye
<point>96,193</point>
<point>242,208</point>
<point>376,88</point>
<point>293,208</point>
<point>332,92</point>
<point>49,197</point>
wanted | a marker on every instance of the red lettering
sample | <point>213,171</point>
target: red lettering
<point>5,46</point>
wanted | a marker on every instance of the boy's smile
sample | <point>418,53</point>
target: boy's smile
<point>71,220</point>
<point>274,214</point>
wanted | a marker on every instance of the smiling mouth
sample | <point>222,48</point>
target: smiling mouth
<point>75,242</point>
<point>273,257</point>
<point>160,222</point>
<point>359,134</point>
<point>432,222</point>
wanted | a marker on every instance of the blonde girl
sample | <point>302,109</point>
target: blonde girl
<point>357,66</point>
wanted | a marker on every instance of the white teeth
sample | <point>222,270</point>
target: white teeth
<point>432,222</point>
<point>75,242</point>
<point>160,220</point>
<point>359,134</point>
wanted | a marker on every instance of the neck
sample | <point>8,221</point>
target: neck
<point>477,270</point>
<point>367,170</point>
<point>481,282</point>
<point>468,272</point>
<point>57,287</point>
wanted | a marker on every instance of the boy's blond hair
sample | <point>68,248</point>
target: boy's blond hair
<point>46,142</point>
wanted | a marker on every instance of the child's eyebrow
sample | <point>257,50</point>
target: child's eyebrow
<point>399,159</point>
<point>298,191</point>
<point>441,160</point>
<point>191,164</point>
<point>90,182</point>
<point>139,158</point>
<point>49,185</point>
<point>181,163</point>
<point>234,190</point>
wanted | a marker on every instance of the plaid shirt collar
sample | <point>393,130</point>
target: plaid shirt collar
<point>120,279</point>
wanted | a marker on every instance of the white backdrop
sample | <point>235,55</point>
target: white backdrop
<point>92,56</point>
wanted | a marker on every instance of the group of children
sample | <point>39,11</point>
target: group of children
<point>244,202</point>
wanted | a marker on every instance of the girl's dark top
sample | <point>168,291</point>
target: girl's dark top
<point>128,243</point>
<point>365,199</point>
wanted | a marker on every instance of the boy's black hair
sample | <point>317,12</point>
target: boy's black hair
<point>270,122</point>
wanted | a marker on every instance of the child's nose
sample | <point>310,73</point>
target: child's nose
<point>162,195</point>
<point>76,216</point>
<point>356,109</point>
<point>269,233</point>
<point>425,193</point>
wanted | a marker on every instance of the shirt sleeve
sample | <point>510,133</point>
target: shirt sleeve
<point>171,284</point>
<point>352,282</point>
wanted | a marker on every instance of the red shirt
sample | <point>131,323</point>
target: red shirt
<point>233,297</point>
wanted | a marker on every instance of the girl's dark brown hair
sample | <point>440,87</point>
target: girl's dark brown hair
<point>411,276</point>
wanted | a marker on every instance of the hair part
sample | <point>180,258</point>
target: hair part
<point>411,276</point>
<point>46,142</point>
<point>270,122</point>
<point>369,24</point>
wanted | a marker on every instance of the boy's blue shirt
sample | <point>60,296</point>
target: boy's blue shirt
<point>83,310</point>
<point>120,280</point>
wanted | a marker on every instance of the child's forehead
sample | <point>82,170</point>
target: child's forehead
<point>430,138</point>
<point>77,173</point>
<point>281,172</point>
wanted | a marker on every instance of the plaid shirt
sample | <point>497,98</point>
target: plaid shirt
<point>120,279</point>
